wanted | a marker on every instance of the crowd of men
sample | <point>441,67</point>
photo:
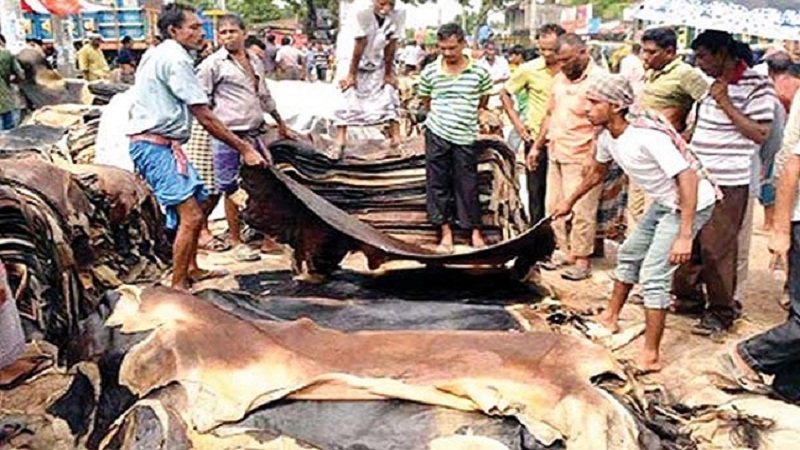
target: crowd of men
<point>700,145</point>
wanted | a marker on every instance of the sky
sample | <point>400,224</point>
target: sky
<point>428,14</point>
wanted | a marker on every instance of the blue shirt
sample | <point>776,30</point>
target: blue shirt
<point>165,87</point>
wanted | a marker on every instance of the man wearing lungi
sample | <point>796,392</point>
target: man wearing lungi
<point>234,81</point>
<point>166,96</point>
<point>365,69</point>
<point>453,89</point>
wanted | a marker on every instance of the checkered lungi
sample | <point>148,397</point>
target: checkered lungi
<point>198,150</point>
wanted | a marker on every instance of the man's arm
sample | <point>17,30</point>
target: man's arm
<point>593,177</point>
<point>83,63</point>
<point>389,53</point>
<point>358,52</point>
<point>784,204</point>
<point>687,196</point>
<point>757,131</point>
<point>483,102</point>
<point>513,116</point>
<point>217,129</point>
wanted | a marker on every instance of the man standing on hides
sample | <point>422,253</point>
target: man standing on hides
<point>366,72</point>
<point>453,89</point>
<point>166,96</point>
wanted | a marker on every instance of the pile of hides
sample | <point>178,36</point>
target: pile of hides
<point>69,236</point>
<point>44,86</point>
<point>80,124</point>
<point>321,234</point>
<point>385,187</point>
<point>104,91</point>
<point>287,383</point>
<point>45,142</point>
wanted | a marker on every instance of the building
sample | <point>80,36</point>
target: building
<point>526,16</point>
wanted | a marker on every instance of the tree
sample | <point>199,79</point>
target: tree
<point>606,9</point>
<point>482,14</point>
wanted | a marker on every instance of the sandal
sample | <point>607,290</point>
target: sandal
<point>577,274</point>
<point>215,245</point>
<point>750,383</point>
<point>203,275</point>
<point>243,253</point>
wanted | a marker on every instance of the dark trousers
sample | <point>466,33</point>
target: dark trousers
<point>537,185</point>
<point>714,261</point>
<point>322,73</point>
<point>452,182</point>
<point>777,351</point>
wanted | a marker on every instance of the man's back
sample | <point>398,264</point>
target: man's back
<point>270,57</point>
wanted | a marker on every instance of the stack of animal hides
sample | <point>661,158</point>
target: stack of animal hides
<point>386,186</point>
<point>70,232</point>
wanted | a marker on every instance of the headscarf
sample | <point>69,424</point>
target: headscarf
<point>616,90</point>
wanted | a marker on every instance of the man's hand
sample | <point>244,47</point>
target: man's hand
<point>524,134</point>
<point>251,157</point>
<point>532,160</point>
<point>719,92</point>
<point>390,79</point>
<point>286,133</point>
<point>779,244</point>
<point>347,83</point>
<point>681,251</point>
<point>563,209</point>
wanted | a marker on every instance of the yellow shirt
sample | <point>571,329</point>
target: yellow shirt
<point>91,60</point>
<point>535,79</point>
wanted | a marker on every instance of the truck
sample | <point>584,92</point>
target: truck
<point>113,21</point>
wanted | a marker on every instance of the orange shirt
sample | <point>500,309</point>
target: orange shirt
<point>571,136</point>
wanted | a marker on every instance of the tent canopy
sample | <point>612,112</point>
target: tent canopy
<point>60,7</point>
<point>775,19</point>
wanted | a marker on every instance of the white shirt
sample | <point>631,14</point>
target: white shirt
<point>288,57</point>
<point>412,55</point>
<point>499,70</point>
<point>359,21</point>
<point>632,68</point>
<point>796,212</point>
<point>652,161</point>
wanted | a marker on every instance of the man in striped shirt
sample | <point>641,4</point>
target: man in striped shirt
<point>733,121</point>
<point>453,89</point>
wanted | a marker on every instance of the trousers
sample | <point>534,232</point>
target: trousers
<point>777,351</point>
<point>452,182</point>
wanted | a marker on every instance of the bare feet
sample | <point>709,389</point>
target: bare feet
<point>608,321</point>
<point>648,362</point>
<point>477,239</point>
<point>270,246</point>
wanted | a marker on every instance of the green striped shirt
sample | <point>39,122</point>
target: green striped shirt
<point>454,100</point>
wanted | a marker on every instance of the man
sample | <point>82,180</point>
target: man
<point>671,87</point>
<point>786,85</point>
<point>10,73</point>
<point>257,48</point>
<point>651,152</point>
<point>733,122</point>
<point>270,56</point>
<point>234,81</point>
<point>453,90</point>
<point>165,97</point>
<point>571,140</point>
<point>412,57</point>
<point>775,352</point>
<point>495,64</point>
<point>535,79</point>
<point>91,61</point>
<point>632,68</point>
<point>321,62</point>
<point>126,62</point>
<point>516,57</point>
<point>289,60</point>
<point>366,73</point>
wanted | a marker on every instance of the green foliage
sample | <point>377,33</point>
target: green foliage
<point>606,9</point>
